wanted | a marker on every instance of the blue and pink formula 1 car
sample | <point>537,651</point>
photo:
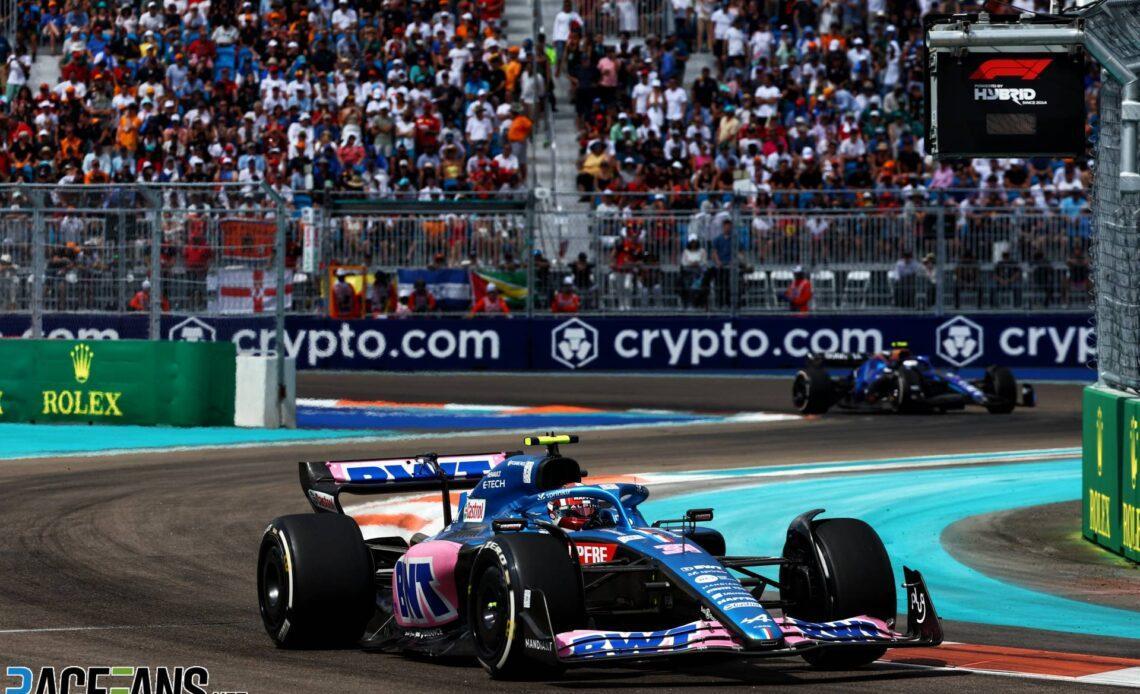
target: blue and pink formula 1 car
<point>540,572</point>
<point>899,381</point>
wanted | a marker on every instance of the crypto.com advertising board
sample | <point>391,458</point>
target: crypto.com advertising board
<point>587,343</point>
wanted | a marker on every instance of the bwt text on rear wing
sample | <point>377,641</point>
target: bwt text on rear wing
<point>323,482</point>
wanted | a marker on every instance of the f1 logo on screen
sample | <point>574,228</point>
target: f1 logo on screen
<point>1024,69</point>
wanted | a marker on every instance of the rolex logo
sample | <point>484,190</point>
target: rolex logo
<point>1100,442</point>
<point>1134,439</point>
<point>81,356</point>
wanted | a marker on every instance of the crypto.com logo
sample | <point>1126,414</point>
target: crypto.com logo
<point>574,343</point>
<point>1011,67</point>
<point>959,341</point>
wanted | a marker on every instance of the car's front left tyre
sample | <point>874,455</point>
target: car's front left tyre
<point>315,583</point>
<point>505,571</point>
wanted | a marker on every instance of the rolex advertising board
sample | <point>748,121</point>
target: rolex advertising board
<point>121,382</point>
<point>1103,412</point>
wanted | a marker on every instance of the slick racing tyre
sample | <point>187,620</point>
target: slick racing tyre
<point>506,568</point>
<point>1001,384</point>
<point>903,397</point>
<point>811,391</point>
<point>314,581</point>
<point>857,580</point>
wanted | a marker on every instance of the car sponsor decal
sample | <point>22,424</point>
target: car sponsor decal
<point>595,552</point>
<point>423,585</point>
<point>404,469</point>
<point>474,510</point>
<point>700,635</point>
<point>323,500</point>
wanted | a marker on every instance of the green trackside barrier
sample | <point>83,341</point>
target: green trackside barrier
<point>117,382</point>
<point>1102,436</point>
<point>1130,482</point>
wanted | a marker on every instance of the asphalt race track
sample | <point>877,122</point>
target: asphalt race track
<point>149,559</point>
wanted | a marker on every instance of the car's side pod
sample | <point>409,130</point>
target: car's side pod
<point>797,577</point>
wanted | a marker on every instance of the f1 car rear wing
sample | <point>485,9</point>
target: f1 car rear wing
<point>845,360</point>
<point>324,482</point>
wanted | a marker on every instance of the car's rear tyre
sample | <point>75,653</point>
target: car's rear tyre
<point>1001,384</point>
<point>857,580</point>
<point>314,581</point>
<point>504,568</point>
<point>811,391</point>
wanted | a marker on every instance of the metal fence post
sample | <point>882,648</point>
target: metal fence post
<point>531,219</point>
<point>154,306</point>
<point>940,262</point>
<point>734,259</point>
<point>39,269</point>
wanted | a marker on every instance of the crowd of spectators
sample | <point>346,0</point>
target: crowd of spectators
<point>797,104</point>
<point>409,98</point>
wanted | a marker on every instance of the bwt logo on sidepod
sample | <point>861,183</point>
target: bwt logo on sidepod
<point>959,341</point>
<point>574,343</point>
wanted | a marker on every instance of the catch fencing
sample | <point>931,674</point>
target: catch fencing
<point>216,250</point>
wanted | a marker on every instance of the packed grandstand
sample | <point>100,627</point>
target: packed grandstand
<point>724,148</point>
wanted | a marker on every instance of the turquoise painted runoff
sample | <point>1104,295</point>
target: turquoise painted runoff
<point>910,509</point>
<point>34,440</point>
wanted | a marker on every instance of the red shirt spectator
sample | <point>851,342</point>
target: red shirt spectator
<point>798,293</point>
<point>566,300</point>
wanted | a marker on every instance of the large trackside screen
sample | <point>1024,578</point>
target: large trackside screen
<point>1012,104</point>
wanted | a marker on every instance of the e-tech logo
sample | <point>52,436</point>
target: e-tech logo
<point>959,341</point>
<point>111,680</point>
<point>574,343</point>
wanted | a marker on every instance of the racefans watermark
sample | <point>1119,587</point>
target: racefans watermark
<point>111,680</point>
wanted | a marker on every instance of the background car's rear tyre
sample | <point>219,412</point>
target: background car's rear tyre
<point>314,581</point>
<point>1001,383</point>
<point>811,391</point>
<point>503,569</point>
<point>858,581</point>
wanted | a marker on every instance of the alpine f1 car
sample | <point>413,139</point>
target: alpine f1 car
<point>540,572</point>
<point>898,381</point>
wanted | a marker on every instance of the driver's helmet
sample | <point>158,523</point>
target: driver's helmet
<point>575,513</point>
<point>900,355</point>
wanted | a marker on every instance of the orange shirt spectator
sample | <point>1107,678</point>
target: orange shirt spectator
<point>491,304</point>
<point>141,300</point>
<point>519,129</point>
<point>128,131</point>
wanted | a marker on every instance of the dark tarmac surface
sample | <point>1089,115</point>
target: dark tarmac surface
<point>149,560</point>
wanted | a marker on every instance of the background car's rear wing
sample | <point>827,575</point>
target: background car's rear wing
<point>324,482</point>
<point>845,360</point>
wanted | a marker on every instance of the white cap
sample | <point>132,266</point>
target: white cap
<point>807,153</point>
<point>568,280</point>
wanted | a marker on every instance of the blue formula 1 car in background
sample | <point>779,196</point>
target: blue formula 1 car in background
<point>899,381</point>
<point>540,572</point>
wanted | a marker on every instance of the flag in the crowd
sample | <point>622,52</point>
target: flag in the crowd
<point>246,290</point>
<point>450,287</point>
<point>511,284</point>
